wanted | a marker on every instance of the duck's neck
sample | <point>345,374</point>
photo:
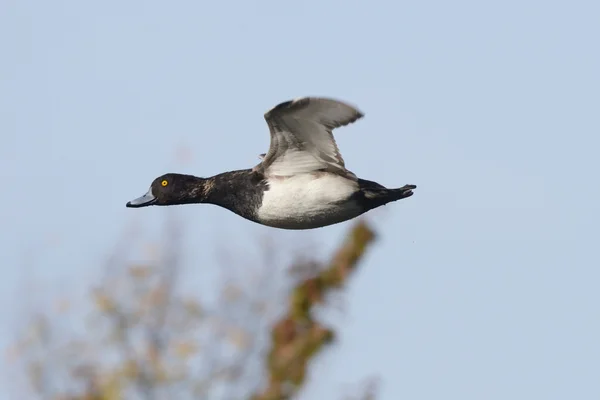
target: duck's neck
<point>238,191</point>
<point>193,189</point>
<point>213,190</point>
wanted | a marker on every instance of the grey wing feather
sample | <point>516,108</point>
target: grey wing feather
<point>302,139</point>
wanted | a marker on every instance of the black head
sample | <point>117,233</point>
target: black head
<point>171,189</point>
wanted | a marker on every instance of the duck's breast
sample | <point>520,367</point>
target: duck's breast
<point>308,201</point>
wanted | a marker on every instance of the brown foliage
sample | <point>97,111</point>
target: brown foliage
<point>298,336</point>
<point>148,339</point>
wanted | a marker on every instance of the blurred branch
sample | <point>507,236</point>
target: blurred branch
<point>151,341</point>
<point>298,337</point>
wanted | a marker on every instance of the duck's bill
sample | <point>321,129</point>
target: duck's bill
<point>146,200</point>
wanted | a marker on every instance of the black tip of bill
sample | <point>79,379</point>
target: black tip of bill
<point>146,200</point>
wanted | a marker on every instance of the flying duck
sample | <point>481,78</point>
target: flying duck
<point>300,183</point>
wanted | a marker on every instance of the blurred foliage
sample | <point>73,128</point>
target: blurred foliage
<point>298,336</point>
<point>147,339</point>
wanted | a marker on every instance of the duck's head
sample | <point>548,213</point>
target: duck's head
<point>171,189</point>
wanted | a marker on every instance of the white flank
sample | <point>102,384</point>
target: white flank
<point>307,201</point>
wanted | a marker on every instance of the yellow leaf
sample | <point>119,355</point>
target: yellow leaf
<point>239,338</point>
<point>103,302</point>
<point>140,271</point>
<point>130,369</point>
<point>111,388</point>
<point>185,349</point>
<point>193,308</point>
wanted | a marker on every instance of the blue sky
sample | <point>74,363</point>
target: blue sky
<point>483,285</point>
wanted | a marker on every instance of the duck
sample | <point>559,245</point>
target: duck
<point>300,183</point>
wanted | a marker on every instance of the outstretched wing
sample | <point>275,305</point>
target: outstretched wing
<point>302,139</point>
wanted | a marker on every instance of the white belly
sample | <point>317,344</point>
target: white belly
<point>308,201</point>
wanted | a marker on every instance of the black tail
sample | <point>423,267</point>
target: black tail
<point>401,193</point>
<point>375,195</point>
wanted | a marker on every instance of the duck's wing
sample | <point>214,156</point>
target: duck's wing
<point>302,139</point>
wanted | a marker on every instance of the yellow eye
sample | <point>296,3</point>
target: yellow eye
<point>164,183</point>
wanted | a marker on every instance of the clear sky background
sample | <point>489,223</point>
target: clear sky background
<point>483,285</point>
